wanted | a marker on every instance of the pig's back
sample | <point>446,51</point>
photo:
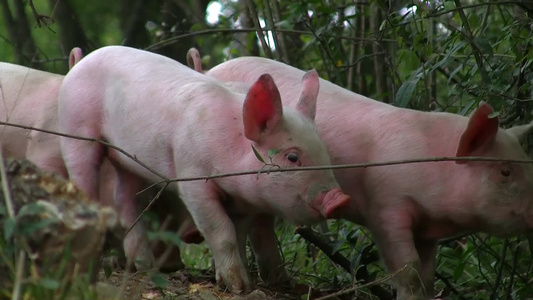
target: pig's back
<point>144,102</point>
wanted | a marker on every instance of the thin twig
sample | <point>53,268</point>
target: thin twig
<point>174,39</point>
<point>470,38</point>
<point>41,19</point>
<point>165,179</point>
<point>262,171</point>
<point>21,256</point>
<point>5,187</point>
<point>355,288</point>
<point>274,33</point>
<point>147,207</point>
<point>257,25</point>
<point>21,259</point>
<point>498,279</point>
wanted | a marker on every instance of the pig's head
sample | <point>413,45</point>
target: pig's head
<point>501,192</point>
<point>302,197</point>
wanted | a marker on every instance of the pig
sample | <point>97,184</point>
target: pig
<point>409,207</point>
<point>182,123</point>
<point>29,98</point>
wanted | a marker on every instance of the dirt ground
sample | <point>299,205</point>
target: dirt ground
<point>189,284</point>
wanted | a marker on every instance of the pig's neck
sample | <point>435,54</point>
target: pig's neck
<point>244,190</point>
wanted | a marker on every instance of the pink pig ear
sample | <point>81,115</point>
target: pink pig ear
<point>480,130</point>
<point>307,103</point>
<point>74,57</point>
<point>262,108</point>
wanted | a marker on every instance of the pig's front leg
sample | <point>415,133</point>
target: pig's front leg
<point>136,247</point>
<point>392,229</point>
<point>265,246</point>
<point>203,202</point>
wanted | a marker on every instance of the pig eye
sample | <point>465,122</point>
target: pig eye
<point>292,157</point>
<point>505,172</point>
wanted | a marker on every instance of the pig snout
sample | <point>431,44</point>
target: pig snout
<point>330,203</point>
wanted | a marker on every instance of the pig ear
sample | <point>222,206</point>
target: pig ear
<point>262,108</point>
<point>521,132</point>
<point>307,103</point>
<point>480,130</point>
<point>194,60</point>
<point>74,57</point>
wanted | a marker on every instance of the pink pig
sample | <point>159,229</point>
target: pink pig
<point>29,98</point>
<point>184,124</point>
<point>409,207</point>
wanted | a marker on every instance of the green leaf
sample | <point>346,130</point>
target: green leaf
<point>49,283</point>
<point>484,46</point>
<point>108,270</point>
<point>494,114</point>
<point>258,155</point>
<point>159,281</point>
<point>467,107</point>
<point>408,62</point>
<point>452,74</point>
<point>29,228</point>
<point>197,27</point>
<point>273,152</point>
<point>9,228</point>
<point>458,270</point>
<point>337,245</point>
<point>405,93</point>
<point>39,208</point>
<point>165,236</point>
<point>449,5</point>
<point>445,60</point>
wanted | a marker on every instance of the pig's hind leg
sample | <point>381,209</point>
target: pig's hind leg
<point>80,115</point>
<point>427,250</point>
<point>136,246</point>
<point>265,246</point>
<point>83,160</point>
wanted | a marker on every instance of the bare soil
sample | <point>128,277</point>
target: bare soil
<point>189,284</point>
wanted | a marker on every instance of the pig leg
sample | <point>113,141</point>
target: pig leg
<point>136,246</point>
<point>83,160</point>
<point>394,238</point>
<point>202,201</point>
<point>265,246</point>
<point>427,251</point>
<point>242,225</point>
